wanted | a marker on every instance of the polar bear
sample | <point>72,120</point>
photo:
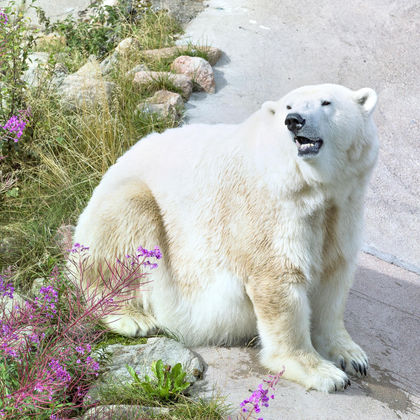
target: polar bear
<point>259,225</point>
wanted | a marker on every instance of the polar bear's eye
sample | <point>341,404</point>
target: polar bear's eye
<point>288,107</point>
<point>325,103</point>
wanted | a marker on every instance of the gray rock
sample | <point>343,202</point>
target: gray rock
<point>182,10</point>
<point>213,54</point>
<point>36,286</point>
<point>126,412</point>
<point>110,63</point>
<point>127,46</point>
<point>63,238</point>
<point>84,92</point>
<point>10,303</point>
<point>198,69</point>
<point>59,74</point>
<point>182,82</point>
<point>164,103</point>
<point>141,356</point>
<point>136,69</point>
<point>9,247</point>
<point>36,72</point>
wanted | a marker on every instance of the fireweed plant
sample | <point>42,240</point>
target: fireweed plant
<point>15,44</point>
<point>251,407</point>
<point>47,362</point>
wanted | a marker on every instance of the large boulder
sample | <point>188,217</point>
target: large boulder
<point>86,88</point>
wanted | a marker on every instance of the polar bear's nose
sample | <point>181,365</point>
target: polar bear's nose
<point>294,122</point>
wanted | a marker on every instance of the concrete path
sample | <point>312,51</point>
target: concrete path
<point>383,316</point>
<point>272,47</point>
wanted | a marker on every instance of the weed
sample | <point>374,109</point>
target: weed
<point>167,384</point>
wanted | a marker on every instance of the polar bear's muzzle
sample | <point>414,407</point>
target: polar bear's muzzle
<point>307,146</point>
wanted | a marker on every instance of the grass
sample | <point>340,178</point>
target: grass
<point>47,180</point>
<point>66,153</point>
<point>183,408</point>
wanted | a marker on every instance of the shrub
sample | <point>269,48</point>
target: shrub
<point>46,357</point>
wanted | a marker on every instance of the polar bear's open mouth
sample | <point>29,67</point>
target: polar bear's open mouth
<point>308,146</point>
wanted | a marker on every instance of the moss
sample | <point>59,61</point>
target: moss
<point>113,338</point>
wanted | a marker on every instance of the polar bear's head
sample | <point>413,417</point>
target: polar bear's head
<point>327,126</point>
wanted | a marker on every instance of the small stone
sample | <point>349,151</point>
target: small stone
<point>59,74</point>
<point>36,71</point>
<point>136,69</point>
<point>37,284</point>
<point>11,303</point>
<point>165,103</point>
<point>198,69</point>
<point>128,45</point>
<point>213,54</point>
<point>110,63</point>
<point>182,82</point>
<point>124,412</point>
<point>63,238</point>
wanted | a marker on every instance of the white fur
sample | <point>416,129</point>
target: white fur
<point>232,197</point>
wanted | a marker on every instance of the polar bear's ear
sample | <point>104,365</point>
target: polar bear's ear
<point>367,98</point>
<point>269,106</point>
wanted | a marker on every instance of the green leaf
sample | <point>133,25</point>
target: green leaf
<point>133,374</point>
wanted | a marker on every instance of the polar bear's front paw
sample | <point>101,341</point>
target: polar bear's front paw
<point>327,378</point>
<point>125,325</point>
<point>345,353</point>
<point>309,370</point>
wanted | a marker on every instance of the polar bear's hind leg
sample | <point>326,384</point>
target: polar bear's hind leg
<point>127,218</point>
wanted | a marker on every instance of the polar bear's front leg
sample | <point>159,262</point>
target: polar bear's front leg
<point>283,313</point>
<point>329,334</point>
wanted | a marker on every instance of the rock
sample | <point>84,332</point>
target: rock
<point>126,412</point>
<point>36,286</point>
<point>78,92</point>
<point>164,103</point>
<point>140,358</point>
<point>183,11</point>
<point>90,69</point>
<point>182,82</point>
<point>10,303</point>
<point>136,69</point>
<point>45,40</point>
<point>36,72</point>
<point>9,248</point>
<point>198,69</point>
<point>110,63</point>
<point>213,53</point>
<point>60,72</point>
<point>63,238</point>
<point>127,46</point>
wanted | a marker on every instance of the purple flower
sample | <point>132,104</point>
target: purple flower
<point>78,248</point>
<point>3,18</point>
<point>16,124</point>
<point>6,288</point>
